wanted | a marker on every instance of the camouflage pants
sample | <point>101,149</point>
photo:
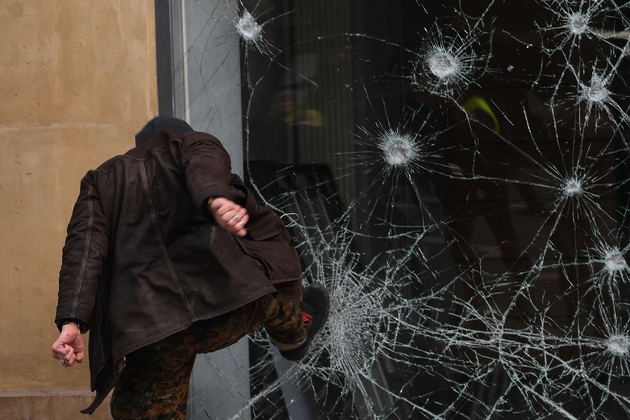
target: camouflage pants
<point>154,382</point>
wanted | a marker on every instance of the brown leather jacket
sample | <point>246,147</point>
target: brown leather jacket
<point>143,259</point>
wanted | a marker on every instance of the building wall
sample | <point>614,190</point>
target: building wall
<point>77,82</point>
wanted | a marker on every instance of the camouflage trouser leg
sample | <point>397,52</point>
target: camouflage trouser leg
<point>154,382</point>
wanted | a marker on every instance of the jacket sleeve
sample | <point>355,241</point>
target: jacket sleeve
<point>207,168</point>
<point>84,255</point>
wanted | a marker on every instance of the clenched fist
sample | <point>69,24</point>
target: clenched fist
<point>229,215</point>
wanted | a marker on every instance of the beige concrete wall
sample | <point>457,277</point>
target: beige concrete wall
<point>77,82</point>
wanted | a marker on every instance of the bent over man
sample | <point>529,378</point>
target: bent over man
<point>168,255</point>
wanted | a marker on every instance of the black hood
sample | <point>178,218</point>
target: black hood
<point>163,124</point>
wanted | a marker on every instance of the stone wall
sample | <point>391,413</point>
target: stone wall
<point>78,81</point>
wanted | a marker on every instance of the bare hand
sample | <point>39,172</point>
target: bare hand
<point>229,216</point>
<point>69,346</point>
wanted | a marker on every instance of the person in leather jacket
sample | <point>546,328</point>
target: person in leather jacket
<point>168,255</point>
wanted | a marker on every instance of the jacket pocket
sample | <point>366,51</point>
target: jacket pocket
<point>265,227</point>
<point>269,242</point>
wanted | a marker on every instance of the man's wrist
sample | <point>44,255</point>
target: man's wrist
<point>210,201</point>
<point>71,322</point>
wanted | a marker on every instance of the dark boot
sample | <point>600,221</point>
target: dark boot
<point>315,308</point>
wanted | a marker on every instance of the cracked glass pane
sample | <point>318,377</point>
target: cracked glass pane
<point>456,173</point>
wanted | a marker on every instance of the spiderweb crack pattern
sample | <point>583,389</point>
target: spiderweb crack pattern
<point>457,174</point>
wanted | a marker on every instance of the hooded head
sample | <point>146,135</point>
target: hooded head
<point>163,124</point>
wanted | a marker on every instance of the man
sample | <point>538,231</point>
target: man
<point>168,255</point>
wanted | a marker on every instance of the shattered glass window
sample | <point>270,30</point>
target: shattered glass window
<point>456,172</point>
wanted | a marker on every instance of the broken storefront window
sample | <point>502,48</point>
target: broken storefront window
<point>457,174</point>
